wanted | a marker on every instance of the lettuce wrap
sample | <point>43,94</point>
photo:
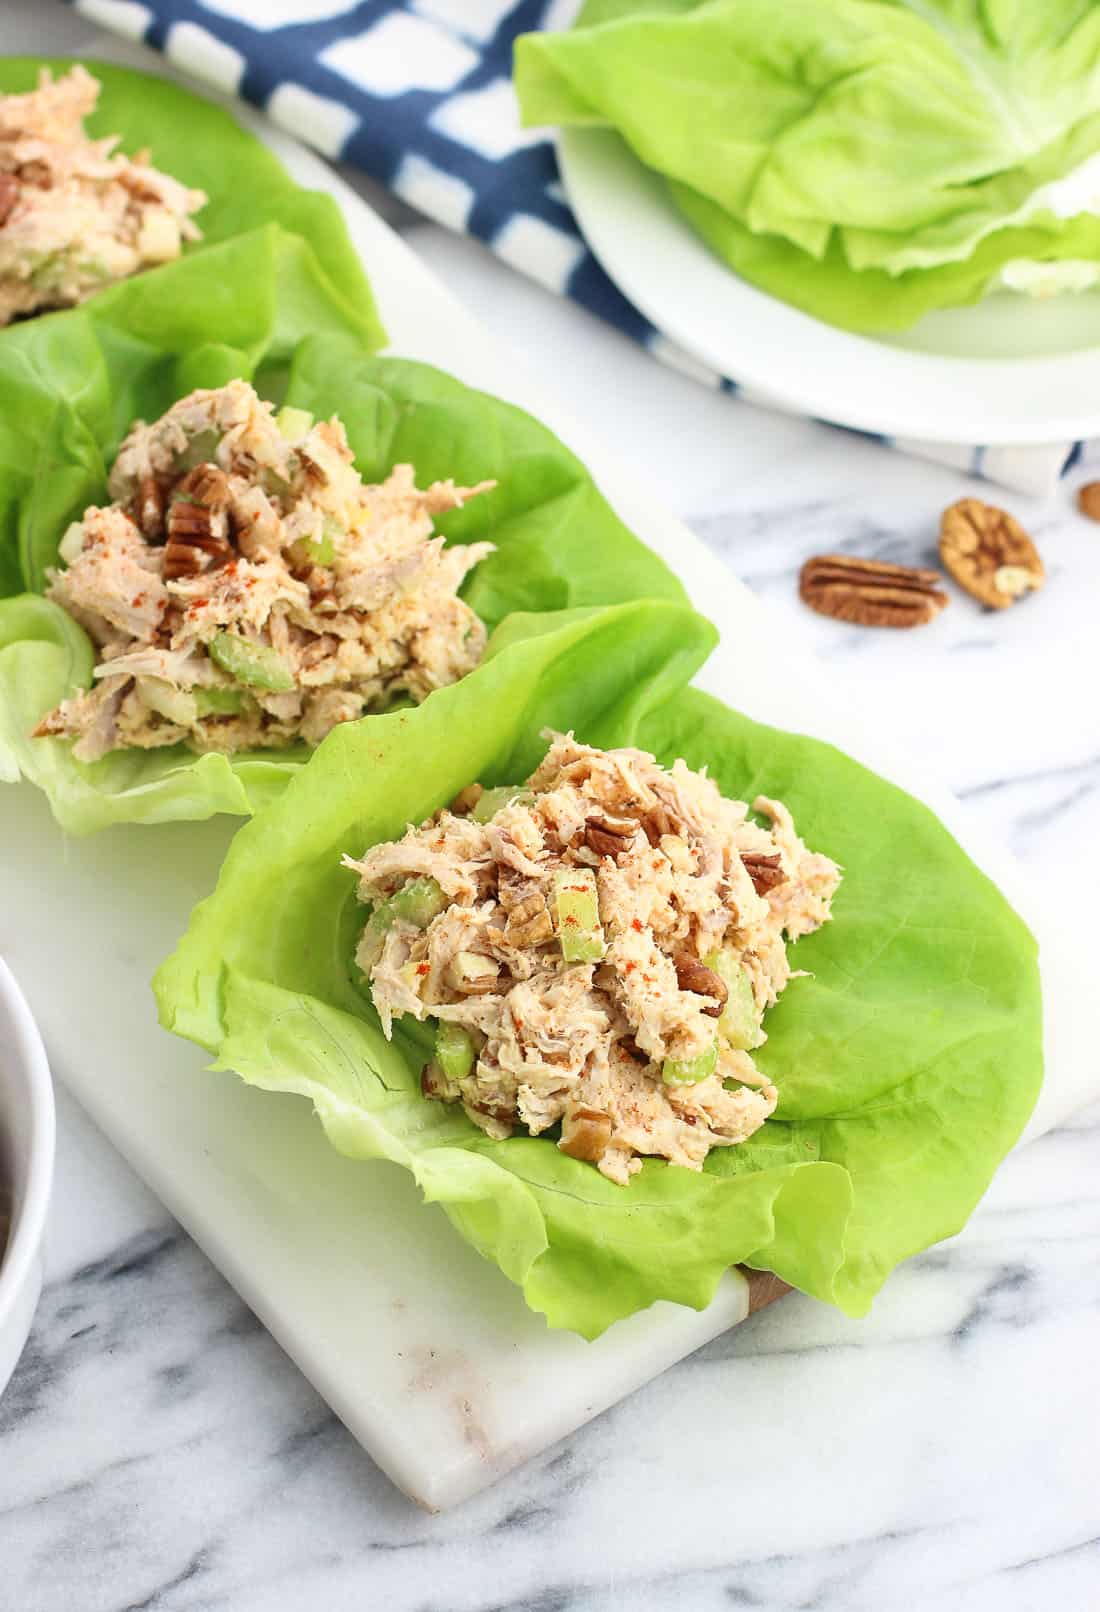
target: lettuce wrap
<point>204,147</point>
<point>77,380</point>
<point>907,1061</point>
<point>867,160</point>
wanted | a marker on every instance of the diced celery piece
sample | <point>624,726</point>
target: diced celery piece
<point>373,937</point>
<point>419,902</point>
<point>293,423</point>
<point>93,268</point>
<point>219,701</point>
<point>201,450</point>
<point>48,271</point>
<point>738,1025</point>
<point>577,909</point>
<point>175,704</point>
<point>318,550</point>
<point>256,665</point>
<point>71,546</point>
<point>323,549</point>
<point>454,1050</point>
<point>686,1071</point>
<point>493,799</point>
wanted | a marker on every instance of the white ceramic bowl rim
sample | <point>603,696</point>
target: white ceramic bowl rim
<point>29,1209</point>
<point>797,362</point>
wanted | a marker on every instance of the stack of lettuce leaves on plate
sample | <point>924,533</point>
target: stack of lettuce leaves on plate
<point>869,161</point>
<point>907,1060</point>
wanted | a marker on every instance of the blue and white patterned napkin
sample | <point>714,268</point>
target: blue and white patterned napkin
<point>418,94</point>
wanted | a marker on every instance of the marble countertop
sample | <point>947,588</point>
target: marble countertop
<point>157,1450</point>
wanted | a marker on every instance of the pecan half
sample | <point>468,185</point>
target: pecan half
<point>585,1133</point>
<point>150,507</point>
<point>607,835</point>
<point>764,871</point>
<point>1088,500</point>
<point>988,553</point>
<point>871,593</point>
<point>692,975</point>
<point>196,540</point>
<point>9,195</point>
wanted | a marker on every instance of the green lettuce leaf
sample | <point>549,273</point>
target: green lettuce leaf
<point>871,301</point>
<point>907,1061</point>
<point>203,146</point>
<point>75,382</point>
<point>881,137</point>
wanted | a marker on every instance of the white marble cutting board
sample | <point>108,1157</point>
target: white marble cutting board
<point>425,1351</point>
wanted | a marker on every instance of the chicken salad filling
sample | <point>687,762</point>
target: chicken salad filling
<point>597,949</point>
<point>246,589</point>
<point>75,214</point>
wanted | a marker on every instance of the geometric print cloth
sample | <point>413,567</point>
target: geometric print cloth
<point>418,94</point>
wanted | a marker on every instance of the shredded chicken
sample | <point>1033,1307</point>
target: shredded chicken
<point>245,589</point>
<point>75,214</point>
<point>642,1047</point>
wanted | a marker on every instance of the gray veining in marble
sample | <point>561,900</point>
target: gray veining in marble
<point>158,1451</point>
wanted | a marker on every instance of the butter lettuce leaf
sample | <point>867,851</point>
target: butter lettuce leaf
<point>881,137</point>
<point>204,146</point>
<point>74,383</point>
<point>907,1061</point>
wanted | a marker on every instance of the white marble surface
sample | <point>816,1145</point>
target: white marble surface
<point>158,1451</point>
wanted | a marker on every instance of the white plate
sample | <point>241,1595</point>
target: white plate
<point>1008,370</point>
<point>426,1352</point>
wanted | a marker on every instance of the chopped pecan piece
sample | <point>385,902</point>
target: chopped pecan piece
<point>988,553</point>
<point>585,1133</point>
<point>607,835</point>
<point>150,507</point>
<point>498,1111</point>
<point>657,823</point>
<point>207,485</point>
<point>466,799</point>
<point>529,922</point>
<point>36,173</point>
<point>692,975</point>
<point>1088,500</point>
<point>472,973</point>
<point>764,871</point>
<point>513,889</point>
<point>633,1050</point>
<point>434,1083</point>
<point>764,1288</point>
<point>533,928</point>
<point>9,195</point>
<point>526,909</point>
<point>871,593</point>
